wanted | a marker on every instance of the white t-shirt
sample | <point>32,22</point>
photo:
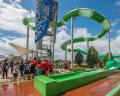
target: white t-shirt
<point>15,69</point>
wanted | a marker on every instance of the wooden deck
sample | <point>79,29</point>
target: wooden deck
<point>99,88</point>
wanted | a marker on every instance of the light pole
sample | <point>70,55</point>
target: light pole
<point>51,55</point>
<point>71,42</point>
<point>27,41</point>
<point>66,55</point>
<point>32,54</point>
<point>88,45</point>
<point>53,49</point>
<point>109,46</point>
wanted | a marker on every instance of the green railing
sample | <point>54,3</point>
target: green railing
<point>115,91</point>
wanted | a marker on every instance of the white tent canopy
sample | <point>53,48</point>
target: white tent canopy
<point>21,50</point>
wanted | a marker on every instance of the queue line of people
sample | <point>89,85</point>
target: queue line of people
<point>27,69</point>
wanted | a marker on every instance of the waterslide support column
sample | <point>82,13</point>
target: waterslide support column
<point>66,55</point>
<point>27,40</point>
<point>71,42</point>
<point>54,38</point>
<point>109,45</point>
<point>88,45</point>
<point>51,57</point>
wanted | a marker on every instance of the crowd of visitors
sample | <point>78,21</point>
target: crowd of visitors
<point>25,69</point>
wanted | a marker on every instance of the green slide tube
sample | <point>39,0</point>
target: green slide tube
<point>90,14</point>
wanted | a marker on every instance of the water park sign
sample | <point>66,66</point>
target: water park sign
<point>44,15</point>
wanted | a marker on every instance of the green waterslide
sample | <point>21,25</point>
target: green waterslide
<point>90,14</point>
<point>30,22</point>
<point>99,19</point>
<point>85,53</point>
<point>79,12</point>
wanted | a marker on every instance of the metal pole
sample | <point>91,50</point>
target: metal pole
<point>51,57</point>
<point>66,55</point>
<point>53,49</point>
<point>109,46</point>
<point>32,54</point>
<point>27,41</point>
<point>87,45</point>
<point>41,49</point>
<point>71,42</point>
<point>36,50</point>
<point>54,40</point>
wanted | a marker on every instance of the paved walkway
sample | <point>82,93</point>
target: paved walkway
<point>10,76</point>
<point>2,81</point>
<point>98,88</point>
<point>9,79</point>
<point>19,89</point>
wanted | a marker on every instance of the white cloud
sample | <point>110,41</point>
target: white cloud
<point>82,32</point>
<point>11,18</point>
<point>115,22</point>
<point>101,44</point>
<point>12,1</point>
<point>6,49</point>
<point>1,1</point>
<point>62,36</point>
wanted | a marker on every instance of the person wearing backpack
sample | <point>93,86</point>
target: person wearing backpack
<point>11,66</point>
<point>0,67</point>
<point>5,68</point>
<point>21,68</point>
<point>32,70</point>
<point>27,71</point>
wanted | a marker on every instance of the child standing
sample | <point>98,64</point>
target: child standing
<point>15,72</point>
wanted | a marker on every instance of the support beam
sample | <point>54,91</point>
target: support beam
<point>27,40</point>
<point>88,45</point>
<point>53,48</point>
<point>66,55</point>
<point>51,45</point>
<point>71,42</point>
<point>109,45</point>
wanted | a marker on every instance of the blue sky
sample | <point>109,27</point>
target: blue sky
<point>12,29</point>
<point>107,8</point>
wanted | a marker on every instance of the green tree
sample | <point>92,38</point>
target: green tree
<point>15,58</point>
<point>79,58</point>
<point>92,57</point>
<point>106,58</point>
